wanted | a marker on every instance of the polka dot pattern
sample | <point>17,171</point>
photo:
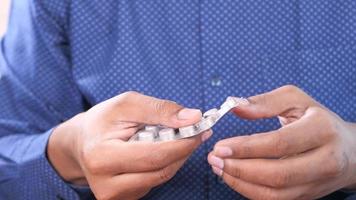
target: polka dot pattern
<point>76,54</point>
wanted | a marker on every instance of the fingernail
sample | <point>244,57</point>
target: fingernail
<point>206,135</point>
<point>216,162</point>
<point>243,102</point>
<point>223,151</point>
<point>188,113</point>
<point>217,171</point>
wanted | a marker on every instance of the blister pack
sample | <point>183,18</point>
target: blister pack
<point>210,118</point>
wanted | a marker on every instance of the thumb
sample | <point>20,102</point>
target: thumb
<point>286,101</point>
<point>139,108</point>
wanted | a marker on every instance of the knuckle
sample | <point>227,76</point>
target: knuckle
<point>129,94</point>
<point>321,114</point>
<point>281,145</point>
<point>126,98</point>
<point>331,125</point>
<point>328,124</point>
<point>236,171</point>
<point>91,164</point>
<point>163,108</point>
<point>247,151</point>
<point>245,148</point>
<point>263,99</point>
<point>290,89</point>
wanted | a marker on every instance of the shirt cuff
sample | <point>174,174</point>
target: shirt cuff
<point>41,181</point>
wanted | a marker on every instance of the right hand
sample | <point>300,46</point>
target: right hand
<point>92,147</point>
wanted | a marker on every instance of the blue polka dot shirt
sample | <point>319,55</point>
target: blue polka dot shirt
<point>59,58</point>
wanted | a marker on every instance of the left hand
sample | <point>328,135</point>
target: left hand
<point>311,155</point>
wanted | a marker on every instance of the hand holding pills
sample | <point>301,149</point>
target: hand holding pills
<point>92,147</point>
<point>313,154</point>
<point>127,145</point>
<point>210,118</point>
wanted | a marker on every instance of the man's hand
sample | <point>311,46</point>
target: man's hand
<point>92,147</point>
<point>313,154</point>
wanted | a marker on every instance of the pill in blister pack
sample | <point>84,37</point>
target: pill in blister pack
<point>210,118</point>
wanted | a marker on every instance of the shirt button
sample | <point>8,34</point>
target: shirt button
<point>216,81</point>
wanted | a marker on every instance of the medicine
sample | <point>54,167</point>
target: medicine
<point>188,131</point>
<point>210,112</point>
<point>167,134</point>
<point>207,123</point>
<point>153,129</point>
<point>146,136</point>
<point>210,118</point>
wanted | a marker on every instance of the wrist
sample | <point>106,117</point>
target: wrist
<point>62,148</point>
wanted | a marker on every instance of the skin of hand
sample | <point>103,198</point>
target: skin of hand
<point>311,155</point>
<point>92,148</point>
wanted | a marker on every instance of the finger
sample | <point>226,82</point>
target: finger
<point>125,157</point>
<point>300,136</point>
<point>281,173</point>
<point>255,191</point>
<point>288,101</point>
<point>158,155</point>
<point>124,135</point>
<point>135,107</point>
<point>131,183</point>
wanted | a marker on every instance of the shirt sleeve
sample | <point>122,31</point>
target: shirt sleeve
<point>37,92</point>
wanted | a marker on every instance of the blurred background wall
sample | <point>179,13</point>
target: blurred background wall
<point>4,9</point>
